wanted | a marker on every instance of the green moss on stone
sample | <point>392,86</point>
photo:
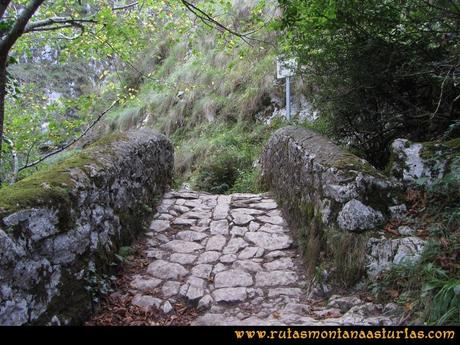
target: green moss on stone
<point>50,186</point>
<point>349,161</point>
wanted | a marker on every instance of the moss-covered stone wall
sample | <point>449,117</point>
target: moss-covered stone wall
<point>333,199</point>
<point>60,228</point>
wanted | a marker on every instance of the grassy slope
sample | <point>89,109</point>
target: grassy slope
<point>206,96</point>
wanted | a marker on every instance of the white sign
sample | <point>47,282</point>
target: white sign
<point>285,68</point>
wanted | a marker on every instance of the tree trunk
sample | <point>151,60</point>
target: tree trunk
<point>3,60</point>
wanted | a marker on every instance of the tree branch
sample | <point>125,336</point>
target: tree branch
<point>57,23</point>
<point>125,7</point>
<point>208,20</point>
<point>20,24</point>
<point>73,141</point>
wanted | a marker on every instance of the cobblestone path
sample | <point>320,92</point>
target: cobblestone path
<point>233,259</point>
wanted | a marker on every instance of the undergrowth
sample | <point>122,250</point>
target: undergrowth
<point>429,290</point>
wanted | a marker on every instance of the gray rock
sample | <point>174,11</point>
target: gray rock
<point>156,254</point>
<point>269,241</point>
<point>232,278</point>
<point>227,258</point>
<point>276,254</point>
<point>160,225</point>
<point>406,231</point>
<point>202,271</point>
<point>230,295</point>
<point>247,265</point>
<point>276,278</point>
<point>344,303</point>
<point>145,284</point>
<point>222,208</point>
<point>180,209</point>
<point>205,302</point>
<point>355,216</point>
<point>234,245</point>
<point>191,236</point>
<point>216,243</point>
<point>292,292</point>
<point>194,289</point>
<point>165,216</point>
<point>250,252</point>
<point>250,211</point>
<point>170,288</point>
<point>180,246</point>
<point>219,227</point>
<point>238,230</point>
<point>275,220</point>
<point>410,166</point>
<point>272,228</point>
<point>167,307</point>
<point>208,257</point>
<point>219,267</point>
<point>184,221</point>
<point>253,226</point>
<point>183,259</point>
<point>280,264</point>
<point>241,218</point>
<point>383,253</point>
<point>146,302</point>
<point>166,270</point>
<point>265,205</point>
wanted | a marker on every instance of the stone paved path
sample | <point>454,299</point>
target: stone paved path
<point>234,259</point>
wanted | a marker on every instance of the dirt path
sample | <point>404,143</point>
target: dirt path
<point>224,260</point>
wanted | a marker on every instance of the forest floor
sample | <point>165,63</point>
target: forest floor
<point>225,260</point>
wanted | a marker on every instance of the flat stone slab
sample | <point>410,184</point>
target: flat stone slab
<point>166,270</point>
<point>276,278</point>
<point>146,302</point>
<point>222,208</point>
<point>216,243</point>
<point>184,221</point>
<point>183,259</point>
<point>279,264</point>
<point>202,271</point>
<point>160,225</point>
<point>232,278</point>
<point>271,228</point>
<point>180,246</point>
<point>145,284</point>
<point>266,205</point>
<point>209,257</point>
<point>269,241</point>
<point>230,295</point>
<point>219,227</point>
<point>250,252</point>
<point>234,245</point>
<point>241,218</point>
<point>170,288</point>
<point>191,236</point>
<point>275,220</point>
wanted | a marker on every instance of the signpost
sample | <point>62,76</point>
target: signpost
<point>285,69</point>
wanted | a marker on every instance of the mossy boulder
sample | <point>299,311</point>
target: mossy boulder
<point>422,163</point>
<point>60,228</point>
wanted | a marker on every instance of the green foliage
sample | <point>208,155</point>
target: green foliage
<point>221,158</point>
<point>382,69</point>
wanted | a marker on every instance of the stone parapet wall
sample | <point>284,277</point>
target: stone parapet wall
<point>60,228</point>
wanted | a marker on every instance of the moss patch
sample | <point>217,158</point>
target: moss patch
<point>349,161</point>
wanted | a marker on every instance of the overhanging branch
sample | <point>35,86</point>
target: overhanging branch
<point>57,23</point>
<point>70,143</point>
